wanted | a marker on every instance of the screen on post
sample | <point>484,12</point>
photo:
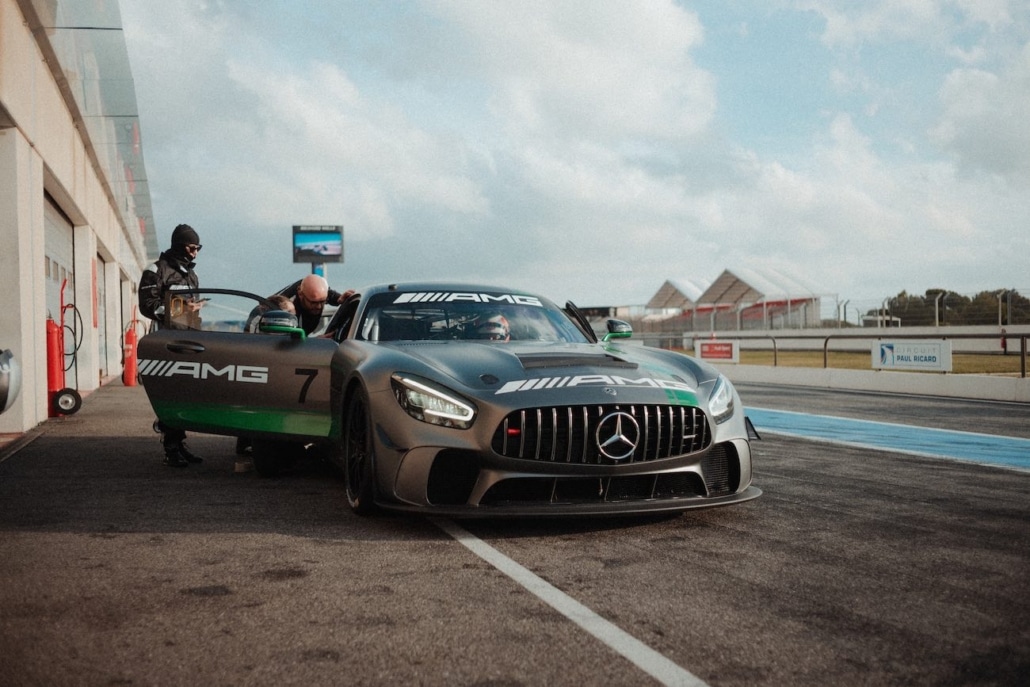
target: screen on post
<point>317,244</point>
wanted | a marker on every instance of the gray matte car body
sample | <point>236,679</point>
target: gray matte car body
<point>562,423</point>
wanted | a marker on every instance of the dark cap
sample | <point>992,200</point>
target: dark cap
<point>184,235</point>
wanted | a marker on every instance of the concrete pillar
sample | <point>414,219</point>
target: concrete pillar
<point>115,323</point>
<point>22,277</point>
<point>87,360</point>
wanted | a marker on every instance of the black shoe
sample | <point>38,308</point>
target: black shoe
<point>173,459</point>
<point>189,455</point>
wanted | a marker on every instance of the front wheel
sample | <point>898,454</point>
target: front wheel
<point>359,455</point>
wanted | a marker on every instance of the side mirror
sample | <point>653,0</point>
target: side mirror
<point>281,322</point>
<point>618,329</point>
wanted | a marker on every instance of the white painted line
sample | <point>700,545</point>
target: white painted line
<point>638,653</point>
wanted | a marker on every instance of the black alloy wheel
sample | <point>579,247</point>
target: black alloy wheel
<point>359,455</point>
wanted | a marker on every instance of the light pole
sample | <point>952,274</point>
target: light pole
<point>1007,294</point>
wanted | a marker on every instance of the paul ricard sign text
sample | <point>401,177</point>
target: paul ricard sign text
<point>912,354</point>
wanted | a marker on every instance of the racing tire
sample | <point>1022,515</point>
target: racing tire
<point>270,457</point>
<point>359,455</point>
<point>67,401</point>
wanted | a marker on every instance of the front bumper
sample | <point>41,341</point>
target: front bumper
<point>629,508</point>
<point>431,469</point>
<point>467,483</point>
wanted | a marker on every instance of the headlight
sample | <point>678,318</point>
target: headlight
<point>721,400</point>
<point>431,403</point>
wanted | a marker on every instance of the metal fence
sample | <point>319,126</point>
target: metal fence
<point>1002,308</point>
<point>1003,343</point>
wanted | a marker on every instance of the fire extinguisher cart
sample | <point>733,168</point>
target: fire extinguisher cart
<point>63,399</point>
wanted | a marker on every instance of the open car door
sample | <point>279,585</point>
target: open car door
<point>224,373</point>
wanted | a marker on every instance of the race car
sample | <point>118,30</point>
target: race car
<point>459,399</point>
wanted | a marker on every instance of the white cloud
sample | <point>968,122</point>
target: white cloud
<point>289,143</point>
<point>589,70</point>
<point>924,21</point>
<point>571,148</point>
<point>993,13</point>
<point>856,224</point>
<point>984,122</point>
<point>337,145</point>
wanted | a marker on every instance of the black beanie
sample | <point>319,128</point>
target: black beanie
<point>184,235</point>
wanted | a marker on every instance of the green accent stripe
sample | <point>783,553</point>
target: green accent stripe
<point>682,398</point>
<point>222,419</point>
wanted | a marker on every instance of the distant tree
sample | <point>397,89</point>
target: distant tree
<point>982,309</point>
<point>1017,308</point>
<point>954,309</point>
<point>1010,307</point>
<point>914,311</point>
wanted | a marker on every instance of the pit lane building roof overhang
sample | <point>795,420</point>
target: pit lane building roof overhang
<point>76,225</point>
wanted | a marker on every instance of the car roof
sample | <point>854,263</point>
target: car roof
<point>448,286</point>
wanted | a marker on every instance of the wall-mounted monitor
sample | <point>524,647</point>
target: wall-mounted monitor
<point>317,243</point>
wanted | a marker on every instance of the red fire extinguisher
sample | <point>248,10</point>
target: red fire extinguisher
<point>54,357</point>
<point>129,368</point>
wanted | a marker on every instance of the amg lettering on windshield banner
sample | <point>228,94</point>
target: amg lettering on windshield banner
<point>196,370</point>
<point>590,380</point>
<point>448,297</point>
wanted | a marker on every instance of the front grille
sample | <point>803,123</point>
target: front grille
<point>569,434</point>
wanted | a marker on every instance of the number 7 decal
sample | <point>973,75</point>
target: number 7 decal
<point>310,373</point>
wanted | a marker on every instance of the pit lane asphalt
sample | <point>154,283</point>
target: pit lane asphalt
<point>855,567</point>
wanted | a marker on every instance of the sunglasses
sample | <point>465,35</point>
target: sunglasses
<point>193,247</point>
<point>312,301</point>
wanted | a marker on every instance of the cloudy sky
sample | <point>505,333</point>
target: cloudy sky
<point>589,149</point>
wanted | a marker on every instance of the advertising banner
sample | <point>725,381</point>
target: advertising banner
<point>912,354</point>
<point>717,351</point>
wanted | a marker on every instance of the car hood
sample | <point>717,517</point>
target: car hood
<point>525,368</point>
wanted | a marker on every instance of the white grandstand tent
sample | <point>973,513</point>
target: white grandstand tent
<point>747,299</point>
<point>741,298</point>
<point>676,296</point>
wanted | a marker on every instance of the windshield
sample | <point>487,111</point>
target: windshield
<point>442,316</point>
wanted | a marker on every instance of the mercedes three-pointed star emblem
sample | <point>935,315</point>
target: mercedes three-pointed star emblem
<point>617,435</point>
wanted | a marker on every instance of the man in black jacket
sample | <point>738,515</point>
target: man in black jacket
<point>173,271</point>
